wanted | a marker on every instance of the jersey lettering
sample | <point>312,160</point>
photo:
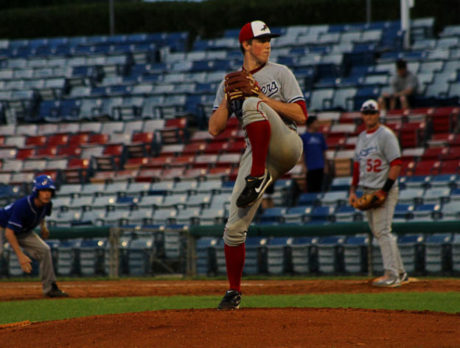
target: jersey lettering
<point>270,88</point>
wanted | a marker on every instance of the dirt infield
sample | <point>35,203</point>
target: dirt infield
<point>243,328</point>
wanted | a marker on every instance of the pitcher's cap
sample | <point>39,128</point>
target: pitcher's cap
<point>255,29</point>
<point>370,106</point>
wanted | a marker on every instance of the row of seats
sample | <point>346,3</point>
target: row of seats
<point>430,254</point>
<point>140,254</point>
<point>123,76</point>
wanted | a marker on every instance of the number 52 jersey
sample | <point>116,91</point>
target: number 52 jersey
<point>374,152</point>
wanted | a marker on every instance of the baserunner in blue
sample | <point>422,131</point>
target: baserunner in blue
<point>18,221</point>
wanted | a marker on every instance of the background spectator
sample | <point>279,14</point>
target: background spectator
<point>404,87</point>
<point>314,147</point>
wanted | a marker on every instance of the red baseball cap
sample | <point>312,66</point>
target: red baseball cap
<point>255,29</point>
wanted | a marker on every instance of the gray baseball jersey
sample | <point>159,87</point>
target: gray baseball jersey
<point>374,152</point>
<point>277,82</point>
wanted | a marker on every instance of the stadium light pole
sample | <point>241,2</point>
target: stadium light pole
<point>405,21</point>
<point>111,18</point>
<point>368,12</point>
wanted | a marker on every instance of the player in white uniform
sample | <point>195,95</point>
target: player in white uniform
<point>377,164</point>
<point>273,145</point>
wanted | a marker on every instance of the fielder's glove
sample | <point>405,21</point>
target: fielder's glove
<point>370,200</point>
<point>238,86</point>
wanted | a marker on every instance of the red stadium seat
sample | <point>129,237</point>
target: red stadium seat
<point>148,175</point>
<point>407,167</point>
<point>434,153</point>
<point>182,161</point>
<point>57,139</point>
<point>25,153</point>
<point>158,162</point>
<point>48,151</point>
<point>220,172</point>
<point>443,119</point>
<point>427,167</point>
<point>77,163</point>
<point>228,133</point>
<point>412,134</point>
<point>69,151</point>
<point>143,137</point>
<point>135,162</point>
<point>335,141</point>
<point>450,166</point>
<point>78,139</point>
<point>216,147</point>
<point>38,140</point>
<point>194,147</point>
<point>100,139</point>
<point>236,146</point>
<point>350,117</point>
<point>113,150</point>
<point>452,153</point>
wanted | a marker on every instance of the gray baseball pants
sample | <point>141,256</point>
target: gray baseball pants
<point>285,150</point>
<point>37,249</point>
<point>380,221</point>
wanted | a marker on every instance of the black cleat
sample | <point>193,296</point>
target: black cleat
<point>56,292</point>
<point>231,300</point>
<point>254,189</point>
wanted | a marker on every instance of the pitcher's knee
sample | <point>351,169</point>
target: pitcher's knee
<point>234,236</point>
<point>251,111</point>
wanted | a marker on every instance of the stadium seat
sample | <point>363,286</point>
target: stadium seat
<point>330,256</point>
<point>411,249</point>
<point>140,252</point>
<point>277,255</point>
<point>205,256</point>
<point>355,254</point>
<point>437,253</point>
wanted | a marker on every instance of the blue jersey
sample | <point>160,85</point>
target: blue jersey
<point>314,146</point>
<point>23,216</point>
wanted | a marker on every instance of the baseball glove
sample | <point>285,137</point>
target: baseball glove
<point>370,200</point>
<point>238,86</point>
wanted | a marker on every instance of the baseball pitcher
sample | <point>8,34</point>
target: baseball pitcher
<point>377,164</point>
<point>267,100</point>
<point>19,219</point>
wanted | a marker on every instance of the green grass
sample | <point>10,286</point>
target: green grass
<point>40,310</point>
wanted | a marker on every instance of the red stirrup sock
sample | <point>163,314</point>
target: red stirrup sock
<point>234,259</point>
<point>259,137</point>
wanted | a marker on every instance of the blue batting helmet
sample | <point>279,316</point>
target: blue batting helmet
<point>43,182</point>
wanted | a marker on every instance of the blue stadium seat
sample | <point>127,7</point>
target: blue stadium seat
<point>140,256</point>
<point>91,256</point>
<point>277,255</point>
<point>253,264</point>
<point>437,258</point>
<point>304,255</point>
<point>272,216</point>
<point>355,254</point>
<point>205,255</point>
<point>411,249</point>
<point>330,254</point>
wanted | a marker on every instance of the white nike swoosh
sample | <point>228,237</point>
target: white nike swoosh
<point>257,190</point>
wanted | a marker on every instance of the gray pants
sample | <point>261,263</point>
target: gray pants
<point>380,221</point>
<point>285,150</point>
<point>37,249</point>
